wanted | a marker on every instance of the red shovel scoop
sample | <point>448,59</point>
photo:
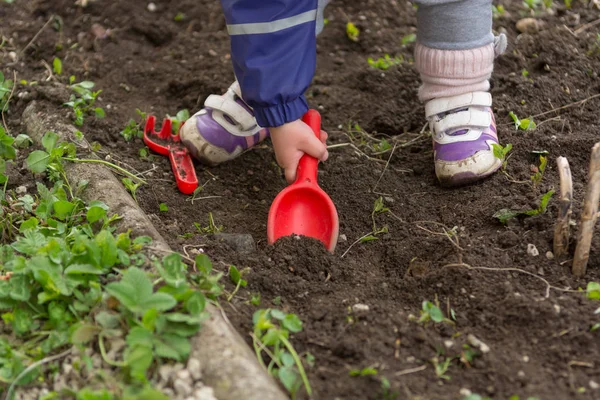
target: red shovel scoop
<point>303,208</point>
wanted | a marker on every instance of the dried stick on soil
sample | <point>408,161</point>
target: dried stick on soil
<point>561,229</point>
<point>411,370</point>
<point>548,285</point>
<point>37,35</point>
<point>588,216</point>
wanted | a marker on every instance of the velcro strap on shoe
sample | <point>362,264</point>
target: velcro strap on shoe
<point>468,119</point>
<point>235,111</point>
<point>445,104</point>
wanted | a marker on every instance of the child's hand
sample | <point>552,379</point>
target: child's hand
<point>291,141</point>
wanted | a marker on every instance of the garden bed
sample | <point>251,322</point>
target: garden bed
<point>440,244</point>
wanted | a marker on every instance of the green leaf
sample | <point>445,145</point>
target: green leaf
<point>63,209</point>
<point>57,66</point>
<point>86,84</point>
<point>108,248</point>
<point>82,269</point>
<point>134,289</point>
<point>139,358</point>
<point>234,274</point>
<point>289,378</point>
<point>82,333</point>
<point>149,319</point>
<point>172,346</point>
<point>179,317</point>
<point>593,290</point>
<point>31,224</point>
<point>30,242</point>
<point>203,264</point>
<point>7,151</point>
<point>49,141</point>
<point>278,314</point>
<point>22,321</point>
<point>172,270</point>
<point>196,303</point>
<point>159,301</point>
<point>148,394</point>
<point>107,320</point>
<point>292,323</point>
<point>368,238</point>
<point>37,161</point>
<point>23,141</point>
<point>286,359</point>
<point>19,287</point>
<point>163,207</point>
<point>99,112</point>
<point>95,213</point>
<point>139,336</point>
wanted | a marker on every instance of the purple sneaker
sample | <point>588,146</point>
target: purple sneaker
<point>223,129</point>
<point>464,132</point>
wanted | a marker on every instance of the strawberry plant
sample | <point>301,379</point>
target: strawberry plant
<point>178,120</point>
<point>523,124</point>
<point>538,174</point>
<point>505,214</point>
<point>352,32</point>
<point>272,329</point>
<point>501,153</point>
<point>82,101</point>
<point>134,129</point>
<point>385,62</point>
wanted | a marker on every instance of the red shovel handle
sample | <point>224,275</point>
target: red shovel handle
<point>307,167</point>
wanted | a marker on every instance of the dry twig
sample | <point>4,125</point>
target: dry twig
<point>561,229</point>
<point>588,216</point>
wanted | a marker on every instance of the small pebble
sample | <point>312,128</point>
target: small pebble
<point>13,56</point>
<point>529,25</point>
<point>521,374</point>
<point>525,358</point>
<point>182,388</point>
<point>343,238</point>
<point>465,392</point>
<point>184,375</point>
<point>21,190</point>
<point>206,393</point>
<point>448,343</point>
<point>594,385</point>
<point>212,53</point>
<point>473,341</point>
<point>152,7</point>
<point>195,368</point>
<point>532,250</point>
<point>165,372</point>
<point>550,255</point>
<point>357,308</point>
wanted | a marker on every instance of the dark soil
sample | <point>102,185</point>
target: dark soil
<point>539,337</point>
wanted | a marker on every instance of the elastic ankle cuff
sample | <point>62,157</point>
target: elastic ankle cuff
<point>450,72</point>
<point>459,64</point>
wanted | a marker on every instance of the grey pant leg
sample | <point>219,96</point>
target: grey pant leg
<point>454,24</point>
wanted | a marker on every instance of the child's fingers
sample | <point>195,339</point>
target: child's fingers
<point>324,136</point>
<point>314,147</point>
<point>290,174</point>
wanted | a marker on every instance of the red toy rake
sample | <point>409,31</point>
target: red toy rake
<point>167,144</point>
<point>303,208</point>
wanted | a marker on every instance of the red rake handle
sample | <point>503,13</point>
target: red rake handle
<point>308,165</point>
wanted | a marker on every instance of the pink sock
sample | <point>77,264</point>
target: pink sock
<point>448,73</point>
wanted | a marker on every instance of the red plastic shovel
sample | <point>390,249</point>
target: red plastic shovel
<point>303,208</point>
<point>167,144</point>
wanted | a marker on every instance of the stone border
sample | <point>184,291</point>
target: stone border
<point>228,364</point>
